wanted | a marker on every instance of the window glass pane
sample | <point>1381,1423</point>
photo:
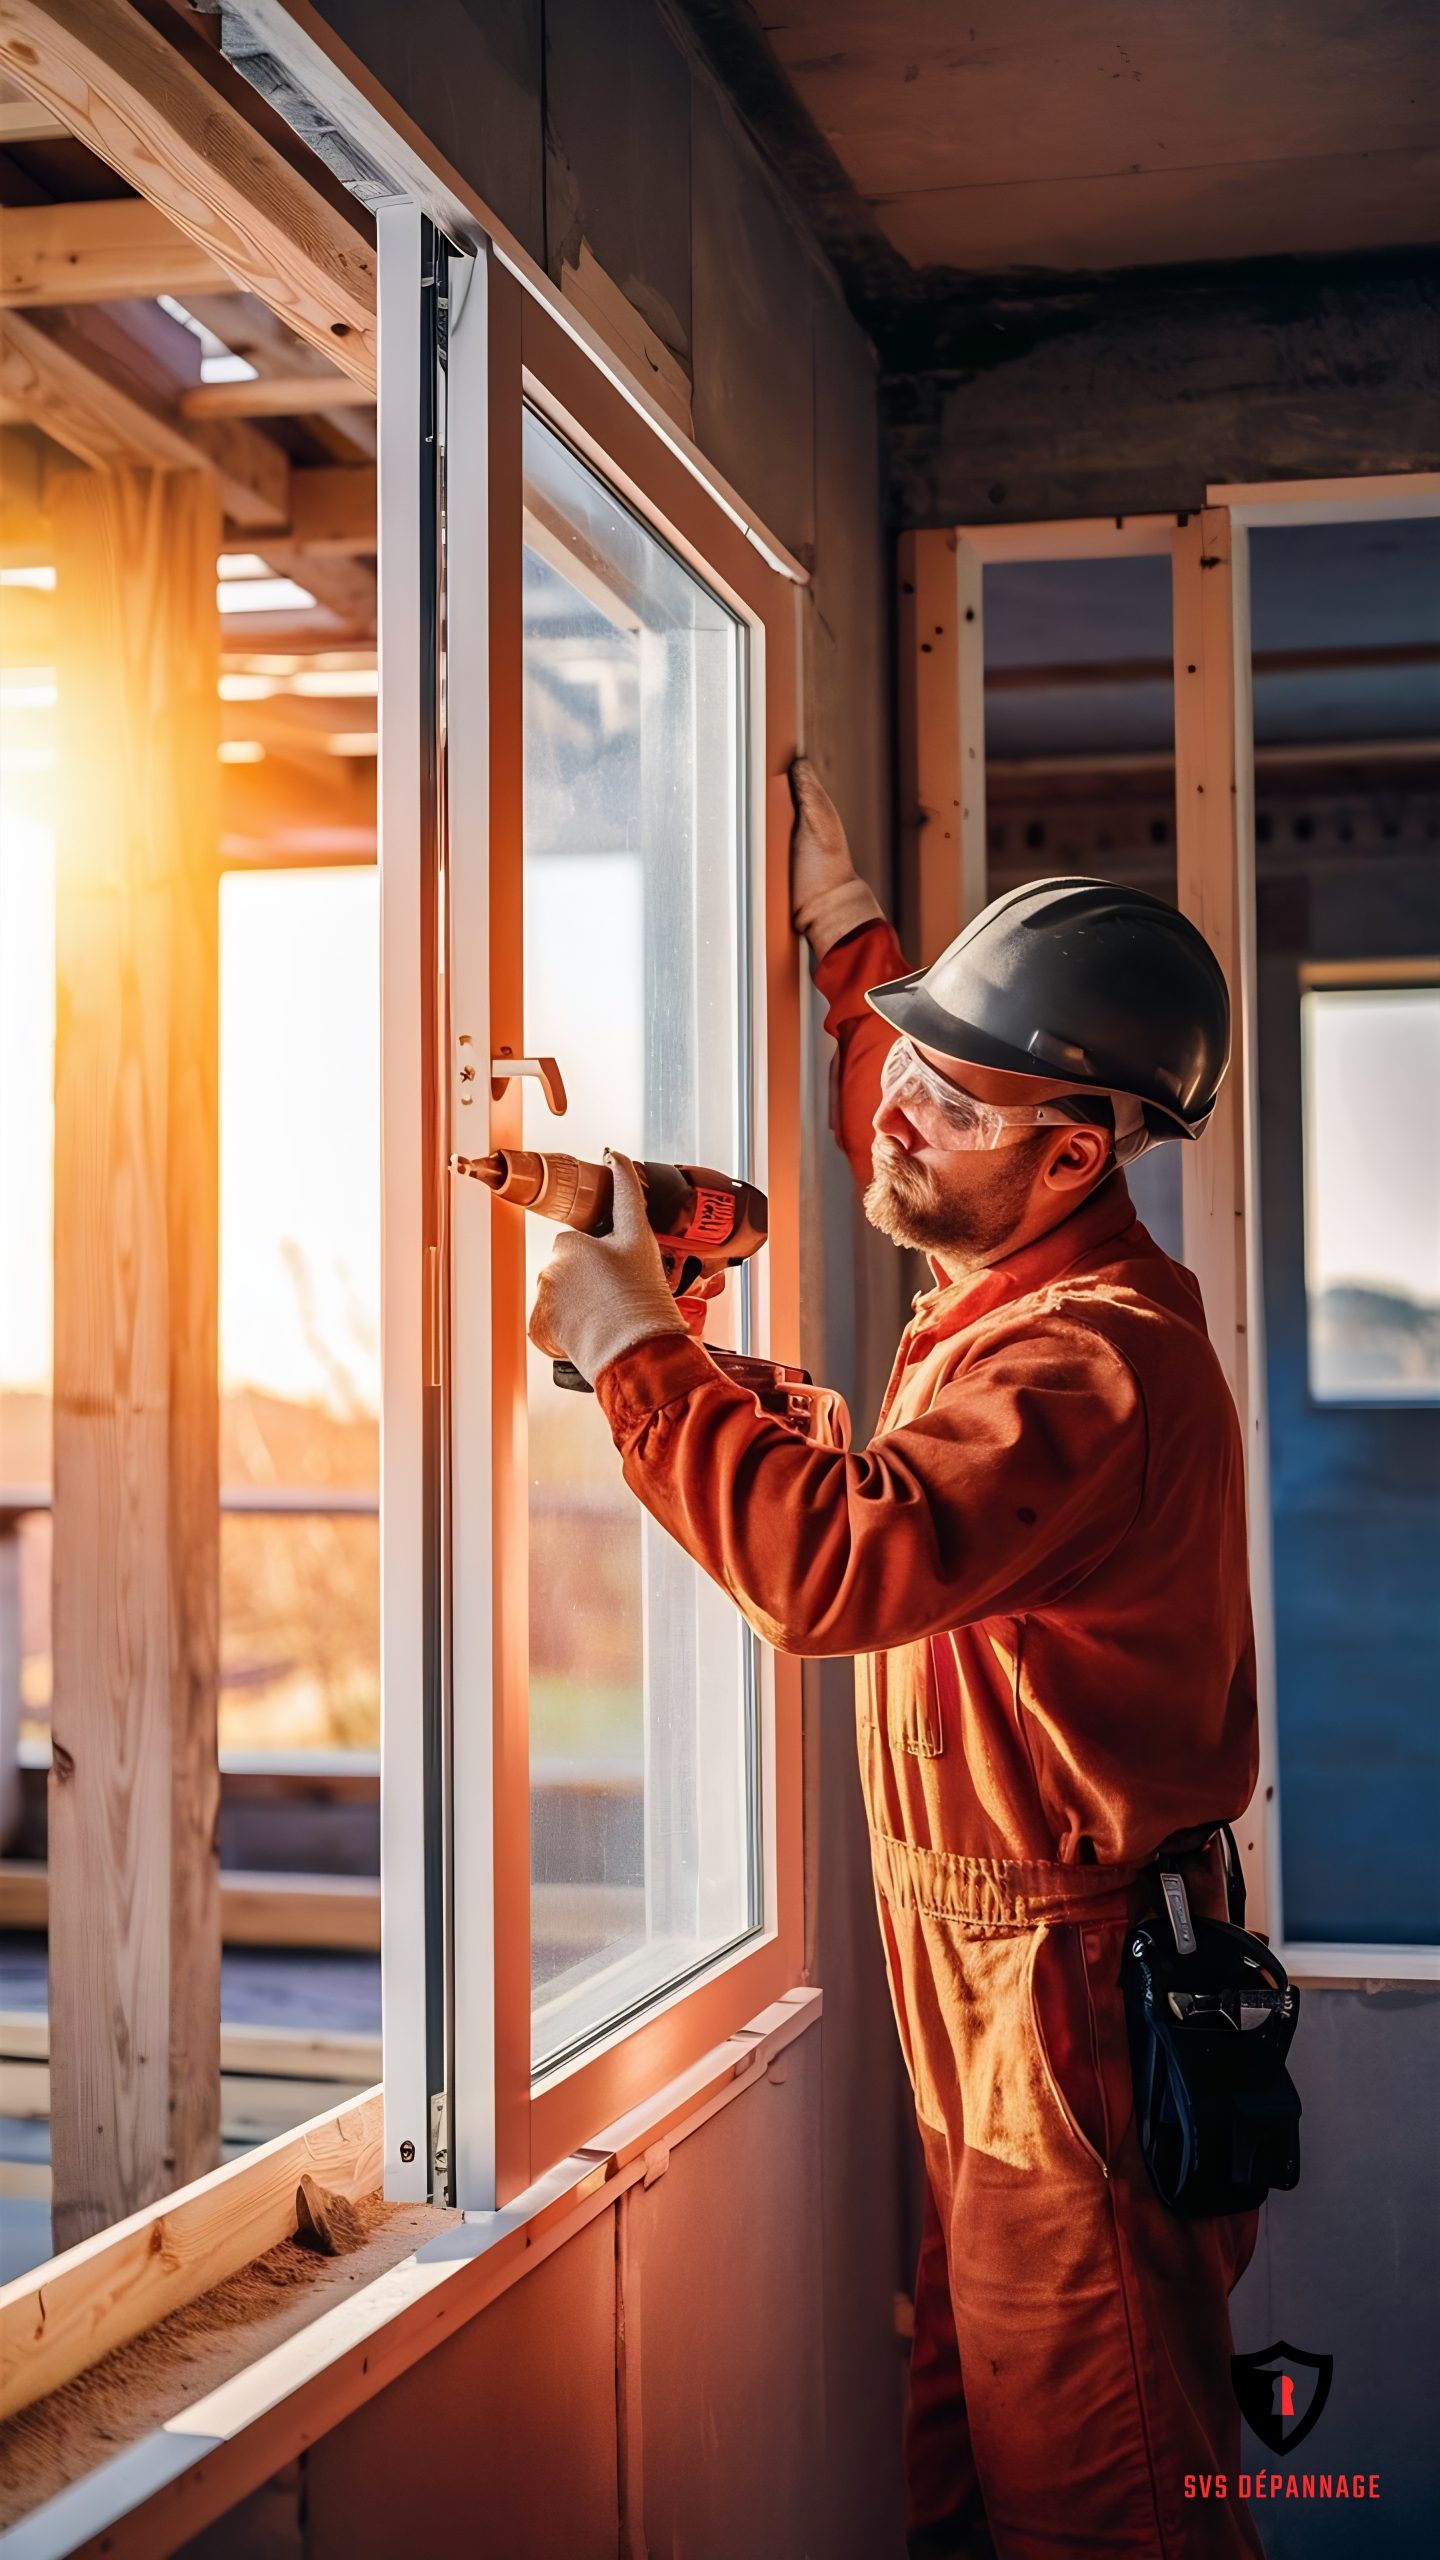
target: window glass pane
<point>1079,742</point>
<point>1346,1046</point>
<point>642,1680</point>
<point>1372,1192</point>
<point>299,1310</point>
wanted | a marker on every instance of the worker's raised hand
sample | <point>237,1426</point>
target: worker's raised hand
<point>828,898</point>
<point>599,1295</point>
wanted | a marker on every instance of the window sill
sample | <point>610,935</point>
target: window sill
<point>170,2483</point>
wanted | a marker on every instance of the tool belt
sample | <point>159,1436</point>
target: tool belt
<point>1211,2014</point>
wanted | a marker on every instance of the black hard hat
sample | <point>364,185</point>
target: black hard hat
<point>1108,987</point>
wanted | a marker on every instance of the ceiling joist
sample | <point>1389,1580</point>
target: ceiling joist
<point>333,510</point>
<point>106,252</point>
<point>276,395</point>
<point>68,388</point>
<point>180,142</point>
<point>44,385</point>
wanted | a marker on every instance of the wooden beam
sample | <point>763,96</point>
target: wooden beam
<point>250,329</point>
<point>941,735</point>
<point>269,2053</point>
<point>99,253</point>
<point>345,587</point>
<point>253,473</point>
<point>150,112</point>
<point>102,425</point>
<point>64,2316</point>
<point>1208,676</point>
<point>54,377</point>
<point>333,510</point>
<point>1387,657</point>
<point>23,119</point>
<point>135,1781</point>
<point>276,395</point>
<point>339,1913</point>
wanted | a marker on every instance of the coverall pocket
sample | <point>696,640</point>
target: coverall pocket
<point>914,1691</point>
<point>1062,2013</point>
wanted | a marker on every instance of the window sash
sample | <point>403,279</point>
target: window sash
<point>461,1986</point>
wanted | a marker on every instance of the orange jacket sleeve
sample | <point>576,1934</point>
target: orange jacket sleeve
<point>1026,1471</point>
<point>865,958</point>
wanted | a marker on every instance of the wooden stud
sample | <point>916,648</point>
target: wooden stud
<point>134,1787</point>
<point>275,395</point>
<point>99,253</point>
<point>64,2316</point>
<point>1207,867</point>
<point>942,733</point>
<point>151,113</point>
<point>1215,887</point>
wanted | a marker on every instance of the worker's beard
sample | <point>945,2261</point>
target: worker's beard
<point>968,1227</point>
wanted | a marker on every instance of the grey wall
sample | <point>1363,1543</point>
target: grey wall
<point>1349,2266</point>
<point>576,122</point>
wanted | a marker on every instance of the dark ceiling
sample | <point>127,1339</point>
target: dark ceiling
<point>997,135</point>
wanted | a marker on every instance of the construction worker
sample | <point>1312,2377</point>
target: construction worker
<point>1040,1562</point>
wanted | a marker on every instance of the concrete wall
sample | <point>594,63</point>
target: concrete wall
<point>769,2276</point>
<point>1095,395</point>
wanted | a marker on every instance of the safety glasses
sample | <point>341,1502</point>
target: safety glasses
<point>944,1114</point>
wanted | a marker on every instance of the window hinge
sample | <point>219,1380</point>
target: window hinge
<point>439,2144</point>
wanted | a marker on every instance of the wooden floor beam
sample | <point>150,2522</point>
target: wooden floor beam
<point>150,112</point>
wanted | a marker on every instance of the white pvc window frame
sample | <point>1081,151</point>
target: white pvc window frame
<point>465,2116</point>
<point>940,623</point>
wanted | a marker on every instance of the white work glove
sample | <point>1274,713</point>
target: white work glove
<point>828,898</point>
<point>599,1295</point>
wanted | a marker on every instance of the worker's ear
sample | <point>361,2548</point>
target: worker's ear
<point>1079,1159</point>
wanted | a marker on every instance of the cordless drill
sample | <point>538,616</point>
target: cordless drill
<point>704,1222</point>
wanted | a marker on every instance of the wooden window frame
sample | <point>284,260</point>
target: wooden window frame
<point>942,749</point>
<point>509,348</point>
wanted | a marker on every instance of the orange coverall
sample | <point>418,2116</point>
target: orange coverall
<point>1040,1563</point>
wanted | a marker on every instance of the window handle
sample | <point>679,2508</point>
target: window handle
<point>503,1068</point>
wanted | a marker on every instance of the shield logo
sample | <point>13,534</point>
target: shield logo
<point>1281,2391</point>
